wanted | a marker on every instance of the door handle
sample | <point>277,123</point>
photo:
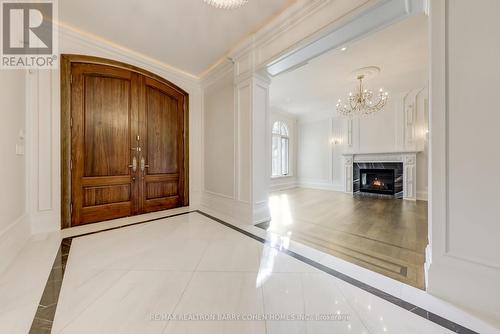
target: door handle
<point>143,165</point>
<point>133,165</point>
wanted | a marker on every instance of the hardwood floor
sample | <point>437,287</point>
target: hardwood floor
<point>387,236</point>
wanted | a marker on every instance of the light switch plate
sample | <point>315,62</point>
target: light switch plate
<point>19,149</point>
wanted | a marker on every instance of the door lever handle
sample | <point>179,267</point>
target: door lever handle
<point>143,165</point>
<point>133,165</point>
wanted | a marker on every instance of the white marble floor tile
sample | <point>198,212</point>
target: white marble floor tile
<point>219,294</point>
<point>283,295</point>
<point>129,303</point>
<point>381,316</point>
<point>141,279</point>
<point>139,248</point>
<point>231,255</point>
<point>323,298</point>
<point>22,284</point>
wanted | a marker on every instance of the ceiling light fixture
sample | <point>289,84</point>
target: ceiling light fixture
<point>343,48</point>
<point>226,4</point>
<point>363,102</point>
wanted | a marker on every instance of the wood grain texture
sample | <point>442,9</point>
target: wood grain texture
<point>164,153</point>
<point>387,236</point>
<point>93,196</point>
<point>108,109</point>
<point>107,129</point>
<point>101,140</point>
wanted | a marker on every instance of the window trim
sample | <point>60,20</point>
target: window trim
<point>282,132</point>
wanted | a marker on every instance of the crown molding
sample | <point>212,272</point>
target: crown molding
<point>114,50</point>
<point>221,70</point>
<point>286,20</point>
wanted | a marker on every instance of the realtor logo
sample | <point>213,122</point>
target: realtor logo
<point>28,34</point>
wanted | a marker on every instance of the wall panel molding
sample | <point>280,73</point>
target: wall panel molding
<point>462,279</point>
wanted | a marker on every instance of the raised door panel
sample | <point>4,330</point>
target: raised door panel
<point>104,114</point>
<point>164,148</point>
<point>107,126</point>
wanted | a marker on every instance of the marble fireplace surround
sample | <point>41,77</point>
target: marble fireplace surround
<point>408,158</point>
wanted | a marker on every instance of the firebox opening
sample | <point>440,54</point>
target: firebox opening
<point>379,181</point>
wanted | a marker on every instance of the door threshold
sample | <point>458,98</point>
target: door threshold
<point>121,222</point>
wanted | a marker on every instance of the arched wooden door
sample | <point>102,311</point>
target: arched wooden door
<point>128,141</point>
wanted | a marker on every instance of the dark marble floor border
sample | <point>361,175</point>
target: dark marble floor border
<point>448,324</point>
<point>46,311</point>
<point>44,317</point>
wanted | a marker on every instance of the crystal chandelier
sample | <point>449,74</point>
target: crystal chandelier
<point>362,102</point>
<point>226,4</point>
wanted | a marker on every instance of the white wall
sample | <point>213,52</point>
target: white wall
<point>465,225</point>
<point>324,137</point>
<point>219,135</point>
<point>13,231</point>
<point>235,161</point>
<point>12,116</point>
<point>314,151</point>
<point>286,182</point>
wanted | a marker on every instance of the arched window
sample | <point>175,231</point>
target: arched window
<point>280,149</point>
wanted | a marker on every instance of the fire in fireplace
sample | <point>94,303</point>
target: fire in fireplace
<point>379,181</point>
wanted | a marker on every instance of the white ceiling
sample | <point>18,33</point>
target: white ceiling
<point>401,51</point>
<point>186,34</point>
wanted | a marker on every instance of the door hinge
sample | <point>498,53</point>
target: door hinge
<point>71,122</point>
<point>71,79</point>
<point>71,164</point>
<point>71,208</point>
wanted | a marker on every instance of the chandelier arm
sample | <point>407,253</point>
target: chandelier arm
<point>362,103</point>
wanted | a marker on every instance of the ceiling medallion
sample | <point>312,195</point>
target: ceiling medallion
<point>363,101</point>
<point>226,4</point>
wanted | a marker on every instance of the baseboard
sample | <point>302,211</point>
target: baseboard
<point>283,186</point>
<point>12,240</point>
<point>226,208</point>
<point>422,195</point>
<point>468,285</point>
<point>427,264</point>
<point>320,185</point>
<point>44,222</point>
<point>261,213</point>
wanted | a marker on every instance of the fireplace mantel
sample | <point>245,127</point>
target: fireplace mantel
<point>408,158</point>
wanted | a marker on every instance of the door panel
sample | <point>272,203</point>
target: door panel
<point>102,133</point>
<point>121,119</point>
<point>162,189</point>
<point>93,196</point>
<point>163,155</point>
<point>107,125</point>
<point>162,132</point>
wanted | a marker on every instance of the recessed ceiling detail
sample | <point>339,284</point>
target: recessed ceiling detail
<point>400,51</point>
<point>226,4</point>
<point>188,35</point>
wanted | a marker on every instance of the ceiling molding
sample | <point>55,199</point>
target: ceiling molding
<point>96,42</point>
<point>289,18</point>
<point>378,16</point>
<point>218,72</point>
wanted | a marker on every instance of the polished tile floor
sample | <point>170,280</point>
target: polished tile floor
<point>387,236</point>
<point>191,274</point>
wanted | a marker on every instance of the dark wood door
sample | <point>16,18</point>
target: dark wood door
<point>127,144</point>
<point>162,127</point>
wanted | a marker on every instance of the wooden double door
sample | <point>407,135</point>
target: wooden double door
<point>128,143</point>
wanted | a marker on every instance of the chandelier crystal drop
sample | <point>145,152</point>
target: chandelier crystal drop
<point>226,4</point>
<point>362,102</point>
